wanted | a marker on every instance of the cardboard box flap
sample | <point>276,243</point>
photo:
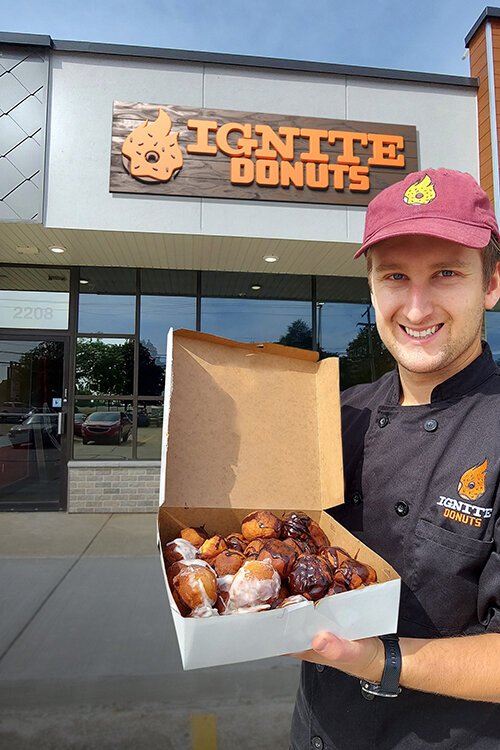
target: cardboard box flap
<point>249,426</point>
<point>264,346</point>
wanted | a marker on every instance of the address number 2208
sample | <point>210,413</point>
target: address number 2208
<point>33,313</point>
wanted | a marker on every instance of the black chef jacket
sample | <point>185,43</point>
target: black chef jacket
<point>422,490</point>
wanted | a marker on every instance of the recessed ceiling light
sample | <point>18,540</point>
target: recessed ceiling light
<point>270,258</point>
<point>83,281</point>
<point>256,287</point>
<point>57,249</point>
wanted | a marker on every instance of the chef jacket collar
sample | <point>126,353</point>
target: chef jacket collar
<point>468,379</point>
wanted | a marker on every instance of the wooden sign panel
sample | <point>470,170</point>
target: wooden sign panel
<point>164,149</point>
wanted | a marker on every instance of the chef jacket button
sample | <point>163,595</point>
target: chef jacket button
<point>383,421</point>
<point>430,425</point>
<point>320,667</point>
<point>357,498</point>
<point>317,743</point>
<point>402,508</point>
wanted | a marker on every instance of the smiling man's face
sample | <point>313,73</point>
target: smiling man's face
<point>429,299</point>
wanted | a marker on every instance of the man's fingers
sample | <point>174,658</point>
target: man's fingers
<point>333,648</point>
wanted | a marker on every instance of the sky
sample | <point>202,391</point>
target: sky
<point>424,36</point>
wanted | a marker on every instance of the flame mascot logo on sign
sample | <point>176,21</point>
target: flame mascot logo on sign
<point>151,152</point>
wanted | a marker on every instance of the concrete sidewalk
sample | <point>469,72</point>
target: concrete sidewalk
<point>89,658</point>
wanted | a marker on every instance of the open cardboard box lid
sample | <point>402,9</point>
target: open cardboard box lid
<point>251,426</point>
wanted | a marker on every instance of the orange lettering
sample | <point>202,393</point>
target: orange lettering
<point>292,173</point>
<point>267,172</point>
<point>244,145</point>
<point>359,179</point>
<point>339,170</point>
<point>203,128</point>
<point>315,137</point>
<point>241,171</point>
<point>384,150</point>
<point>347,156</point>
<point>317,176</point>
<point>272,144</point>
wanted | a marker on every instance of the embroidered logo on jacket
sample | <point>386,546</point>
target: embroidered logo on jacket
<point>471,486</point>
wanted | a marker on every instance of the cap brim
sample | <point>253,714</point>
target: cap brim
<point>443,229</point>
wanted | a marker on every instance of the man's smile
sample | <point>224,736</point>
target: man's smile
<point>422,333</point>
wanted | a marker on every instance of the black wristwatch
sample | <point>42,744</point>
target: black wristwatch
<point>389,685</point>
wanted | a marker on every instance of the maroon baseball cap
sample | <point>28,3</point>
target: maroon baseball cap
<point>435,202</point>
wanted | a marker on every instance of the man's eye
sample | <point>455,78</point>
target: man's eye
<point>447,273</point>
<point>397,276</point>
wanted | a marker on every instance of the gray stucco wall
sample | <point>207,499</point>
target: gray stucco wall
<point>83,89</point>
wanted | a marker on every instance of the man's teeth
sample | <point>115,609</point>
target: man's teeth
<point>421,334</point>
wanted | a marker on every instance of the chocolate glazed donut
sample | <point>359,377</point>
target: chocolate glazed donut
<point>311,576</point>
<point>281,556</point>
<point>354,574</point>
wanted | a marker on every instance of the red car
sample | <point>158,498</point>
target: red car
<point>78,420</point>
<point>106,427</point>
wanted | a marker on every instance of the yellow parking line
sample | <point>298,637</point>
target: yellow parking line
<point>204,731</point>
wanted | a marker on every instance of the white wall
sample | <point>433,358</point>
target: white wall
<point>83,87</point>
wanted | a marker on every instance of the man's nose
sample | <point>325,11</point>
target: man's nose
<point>418,304</point>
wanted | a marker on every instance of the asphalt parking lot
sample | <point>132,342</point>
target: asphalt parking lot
<point>88,655</point>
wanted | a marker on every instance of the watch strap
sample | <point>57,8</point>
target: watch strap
<point>389,684</point>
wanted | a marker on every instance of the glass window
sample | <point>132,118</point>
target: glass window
<point>149,429</point>
<point>168,300</point>
<point>107,300</point>
<point>102,429</point>
<point>258,307</point>
<point>34,298</point>
<point>492,325</point>
<point>346,328</point>
<point>104,366</point>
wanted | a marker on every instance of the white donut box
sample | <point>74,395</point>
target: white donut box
<point>249,427</point>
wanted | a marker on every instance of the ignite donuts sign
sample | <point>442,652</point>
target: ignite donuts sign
<point>172,150</point>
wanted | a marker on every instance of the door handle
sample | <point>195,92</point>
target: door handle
<point>61,423</point>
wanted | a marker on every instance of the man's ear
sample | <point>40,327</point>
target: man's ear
<point>492,294</point>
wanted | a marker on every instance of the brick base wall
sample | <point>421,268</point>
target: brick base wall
<point>118,487</point>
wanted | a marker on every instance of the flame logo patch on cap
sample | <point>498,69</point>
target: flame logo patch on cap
<point>471,484</point>
<point>151,153</point>
<point>420,193</point>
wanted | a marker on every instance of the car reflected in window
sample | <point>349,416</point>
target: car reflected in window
<point>37,429</point>
<point>106,427</point>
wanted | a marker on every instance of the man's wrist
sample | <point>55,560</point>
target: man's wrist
<point>388,685</point>
<point>375,668</point>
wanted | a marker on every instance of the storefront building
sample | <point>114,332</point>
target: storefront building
<point>142,189</point>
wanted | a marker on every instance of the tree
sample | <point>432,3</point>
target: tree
<point>355,366</point>
<point>298,334</point>
<point>102,368</point>
<point>37,377</point>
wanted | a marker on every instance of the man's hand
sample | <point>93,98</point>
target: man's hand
<point>363,659</point>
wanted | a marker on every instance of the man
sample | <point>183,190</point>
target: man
<point>422,475</point>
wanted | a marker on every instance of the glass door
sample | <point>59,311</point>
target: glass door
<point>33,407</point>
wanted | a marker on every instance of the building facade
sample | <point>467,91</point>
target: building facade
<point>142,189</point>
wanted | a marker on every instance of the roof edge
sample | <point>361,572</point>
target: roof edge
<point>33,40</point>
<point>225,58</point>
<point>488,12</point>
